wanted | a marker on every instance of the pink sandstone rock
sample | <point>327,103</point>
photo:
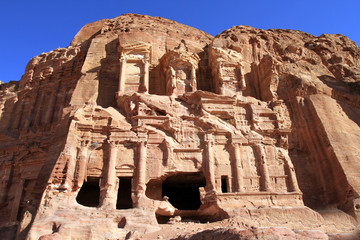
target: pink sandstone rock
<point>142,119</point>
<point>255,233</point>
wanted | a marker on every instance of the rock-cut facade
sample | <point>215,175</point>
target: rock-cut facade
<point>142,119</point>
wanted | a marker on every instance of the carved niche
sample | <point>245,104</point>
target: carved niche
<point>180,67</point>
<point>134,64</point>
<point>227,71</point>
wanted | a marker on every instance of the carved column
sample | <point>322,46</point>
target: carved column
<point>37,110</point>
<point>110,194</point>
<point>18,115</point>
<point>169,153</point>
<point>140,173</point>
<point>255,118</point>
<point>292,176</point>
<point>193,79</point>
<point>71,167</point>
<point>29,115</point>
<point>209,160</point>
<point>82,164</point>
<point>9,105</point>
<point>62,102</point>
<point>242,78</point>
<point>17,199</point>
<point>220,80</point>
<point>146,73</point>
<point>49,109</point>
<point>122,74</point>
<point>238,170</point>
<point>264,168</point>
<point>142,165</point>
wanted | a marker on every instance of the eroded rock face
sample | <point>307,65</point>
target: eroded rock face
<point>142,119</point>
<point>254,233</point>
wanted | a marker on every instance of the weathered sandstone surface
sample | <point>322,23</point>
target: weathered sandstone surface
<point>144,128</point>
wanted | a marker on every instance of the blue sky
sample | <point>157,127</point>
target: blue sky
<point>29,28</point>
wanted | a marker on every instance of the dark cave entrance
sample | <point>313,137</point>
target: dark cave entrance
<point>124,200</point>
<point>89,194</point>
<point>183,190</point>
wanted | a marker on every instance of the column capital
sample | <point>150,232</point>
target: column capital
<point>85,143</point>
<point>142,136</point>
<point>112,143</point>
<point>147,56</point>
<point>140,143</point>
<point>123,59</point>
<point>145,60</point>
<point>260,147</point>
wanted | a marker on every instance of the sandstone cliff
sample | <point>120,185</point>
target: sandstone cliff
<point>142,119</point>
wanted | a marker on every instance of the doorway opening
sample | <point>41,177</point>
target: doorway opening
<point>89,194</point>
<point>124,200</point>
<point>224,184</point>
<point>183,190</point>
